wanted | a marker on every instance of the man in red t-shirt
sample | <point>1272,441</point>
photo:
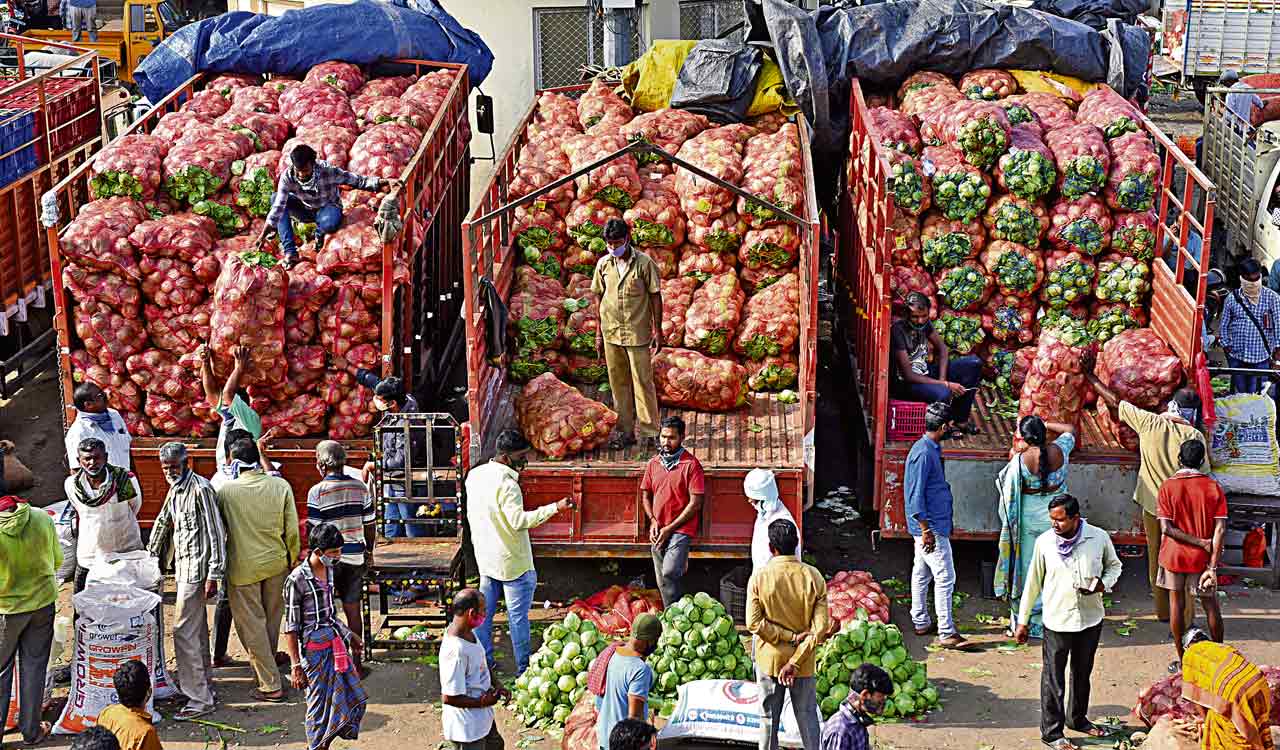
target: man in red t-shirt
<point>672,487</point>
<point>1192,510</point>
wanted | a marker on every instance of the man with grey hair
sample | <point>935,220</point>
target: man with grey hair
<point>344,501</point>
<point>189,534</point>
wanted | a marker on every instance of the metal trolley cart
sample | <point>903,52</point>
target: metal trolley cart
<point>418,469</point>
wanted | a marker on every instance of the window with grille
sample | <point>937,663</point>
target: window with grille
<point>566,39</point>
<point>711,19</point>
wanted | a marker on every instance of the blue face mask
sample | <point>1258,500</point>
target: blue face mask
<point>618,251</point>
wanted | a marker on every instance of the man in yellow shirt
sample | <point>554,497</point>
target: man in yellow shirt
<point>262,543</point>
<point>630,333</point>
<point>787,614</point>
<point>128,720</point>
<point>500,534</point>
<point>1160,437</point>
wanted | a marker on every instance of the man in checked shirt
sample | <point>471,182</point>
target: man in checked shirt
<point>189,532</point>
<point>308,190</point>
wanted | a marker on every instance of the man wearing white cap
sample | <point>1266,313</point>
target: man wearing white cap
<point>761,490</point>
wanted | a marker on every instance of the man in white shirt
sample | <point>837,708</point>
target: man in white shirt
<point>1074,563</point>
<point>500,530</point>
<point>94,419</point>
<point>761,488</point>
<point>466,684</point>
<point>107,499</point>
<point>1243,104</point>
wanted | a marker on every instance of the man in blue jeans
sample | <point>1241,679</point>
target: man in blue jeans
<point>308,191</point>
<point>928,503</point>
<point>923,368</point>
<point>500,530</point>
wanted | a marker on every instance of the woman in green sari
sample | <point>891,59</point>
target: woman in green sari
<point>1027,484</point>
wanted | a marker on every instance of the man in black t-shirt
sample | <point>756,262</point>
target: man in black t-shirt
<point>923,368</point>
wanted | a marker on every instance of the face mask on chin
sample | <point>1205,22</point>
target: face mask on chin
<point>476,620</point>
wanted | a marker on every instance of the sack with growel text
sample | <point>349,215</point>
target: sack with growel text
<point>724,711</point>
<point>117,624</point>
<point>1242,449</point>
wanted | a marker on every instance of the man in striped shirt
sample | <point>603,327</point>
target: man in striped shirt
<point>189,531</point>
<point>344,502</point>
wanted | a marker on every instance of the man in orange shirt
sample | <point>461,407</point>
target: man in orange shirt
<point>1192,510</point>
<point>673,487</point>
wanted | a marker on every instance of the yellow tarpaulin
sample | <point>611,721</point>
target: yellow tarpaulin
<point>650,80</point>
<point>1040,81</point>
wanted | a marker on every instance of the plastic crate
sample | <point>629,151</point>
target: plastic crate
<point>733,593</point>
<point>906,419</point>
<point>16,128</point>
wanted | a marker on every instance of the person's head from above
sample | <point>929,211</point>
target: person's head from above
<point>1250,272</point>
<point>132,684</point>
<point>1186,405</point>
<point>95,738</point>
<point>512,449</point>
<point>233,436</point>
<point>1191,454</point>
<point>937,419</point>
<point>869,688</point>
<point>761,488</point>
<point>389,395</point>
<point>633,734</point>
<point>173,461</point>
<point>646,629</point>
<point>1032,431</point>
<point>92,456</point>
<point>325,542</point>
<point>919,309</point>
<point>617,236</point>
<point>89,399</point>
<point>1193,636</point>
<point>331,458</point>
<point>784,537</point>
<point>1229,77</point>
<point>303,159</point>
<point>1064,515</point>
<point>670,434</point>
<point>467,608</point>
<point>246,452</point>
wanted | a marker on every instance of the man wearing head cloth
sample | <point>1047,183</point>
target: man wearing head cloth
<point>761,489</point>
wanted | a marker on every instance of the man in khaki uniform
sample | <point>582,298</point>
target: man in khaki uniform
<point>630,332</point>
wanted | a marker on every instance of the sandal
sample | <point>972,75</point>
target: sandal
<point>46,729</point>
<point>1093,730</point>
<point>1062,743</point>
<point>262,697</point>
<point>188,713</point>
<point>1175,667</point>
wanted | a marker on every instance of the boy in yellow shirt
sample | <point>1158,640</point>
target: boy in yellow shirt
<point>128,720</point>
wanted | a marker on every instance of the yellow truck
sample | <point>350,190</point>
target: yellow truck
<point>126,41</point>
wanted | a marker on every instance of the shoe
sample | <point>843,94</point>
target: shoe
<point>187,714</point>
<point>258,695</point>
<point>955,643</point>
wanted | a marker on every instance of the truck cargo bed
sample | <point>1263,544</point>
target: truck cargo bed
<point>730,440</point>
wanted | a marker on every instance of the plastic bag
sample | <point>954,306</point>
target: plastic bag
<point>692,380</point>
<point>107,288</point>
<point>248,309</point>
<point>1055,386</point>
<point>772,171</point>
<point>332,145</point>
<point>714,314</point>
<point>311,104</point>
<point>107,335</point>
<point>771,320</point>
<point>174,283</point>
<point>599,107</point>
<point>1242,448</point>
<point>718,79</point>
<point>177,330</point>
<point>718,152</point>
<point>677,295</point>
<point>384,150</point>
<point>186,236</point>
<point>255,99</point>
<point>122,394</point>
<point>129,166</point>
<point>616,182</point>
<point>98,237</point>
<point>343,76</point>
<point>347,321</point>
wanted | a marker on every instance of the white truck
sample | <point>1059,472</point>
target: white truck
<point>1243,160</point>
<point>1199,39</point>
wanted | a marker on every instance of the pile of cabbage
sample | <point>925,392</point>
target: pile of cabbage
<point>861,641</point>
<point>557,675</point>
<point>699,642</point>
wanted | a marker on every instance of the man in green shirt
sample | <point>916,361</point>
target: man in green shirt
<point>262,543</point>
<point>29,560</point>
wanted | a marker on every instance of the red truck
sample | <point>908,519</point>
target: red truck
<point>608,518</point>
<point>415,329</point>
<point>1103,472</point>
<point>50,124</point>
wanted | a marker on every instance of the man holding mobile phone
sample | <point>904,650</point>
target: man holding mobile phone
<point>1192,509</point>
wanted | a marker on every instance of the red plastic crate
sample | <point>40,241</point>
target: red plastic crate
<point>906,419</point>
<point>65,100</point>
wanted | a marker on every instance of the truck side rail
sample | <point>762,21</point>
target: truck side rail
<point>24,249</point>
<point>426,178</point>
<point>490,255</point>
<point>1230,158</point>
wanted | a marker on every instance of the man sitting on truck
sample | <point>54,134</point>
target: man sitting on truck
<point>1246,105</point>
<point>308,191</point>
<point>924,369</point>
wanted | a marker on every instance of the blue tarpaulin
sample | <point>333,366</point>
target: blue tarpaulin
<point>363,32</point>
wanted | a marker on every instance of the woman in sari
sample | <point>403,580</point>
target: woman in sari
<point>1027,484</point>
<point>335,698</point>
<point>1233,692</point>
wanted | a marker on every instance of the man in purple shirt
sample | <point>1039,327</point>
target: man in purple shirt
<point>308,190</point>
<point>869,688</point>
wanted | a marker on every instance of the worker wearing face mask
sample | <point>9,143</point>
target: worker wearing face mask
<point>389,397</point>
<point>630,333</point>
<point>1248,331</point>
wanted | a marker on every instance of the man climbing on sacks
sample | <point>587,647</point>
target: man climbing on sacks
<point>308,190</point>
<point>630,333</point>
